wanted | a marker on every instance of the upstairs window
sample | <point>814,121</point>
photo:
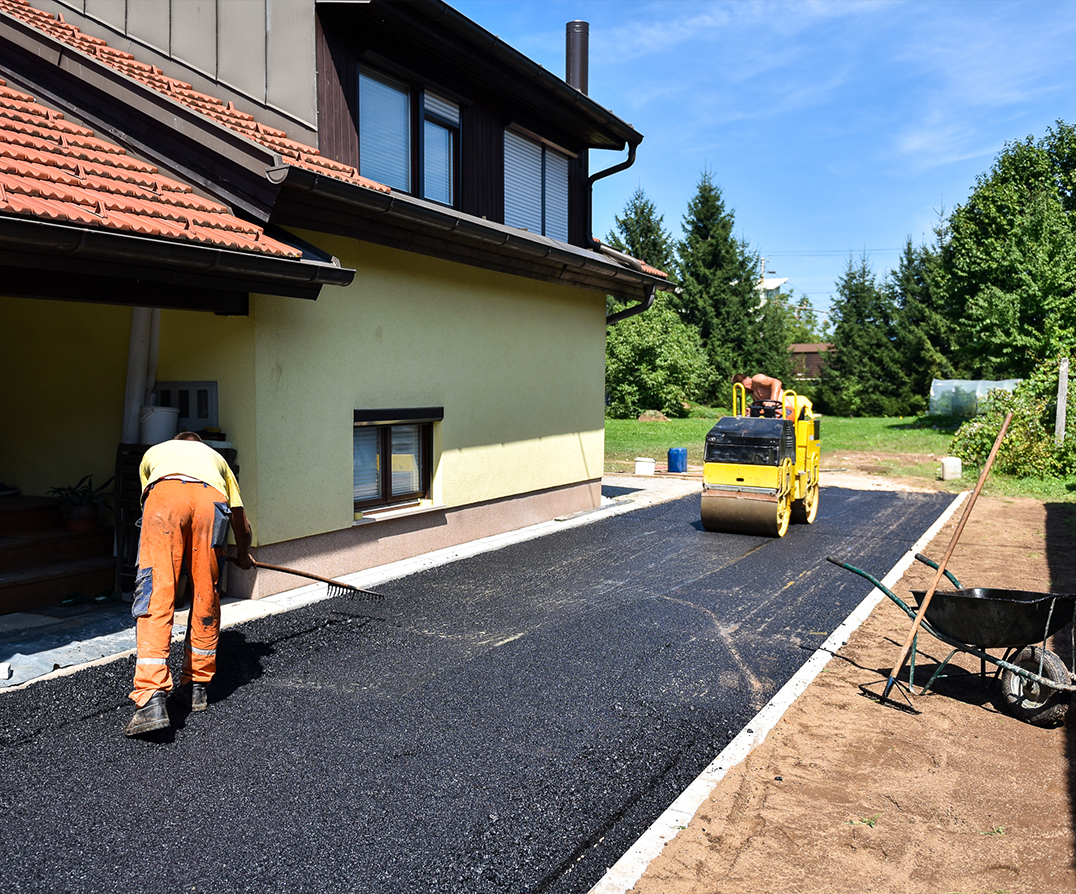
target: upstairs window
<point>408,138</point>
<point>385,131</point>
<point>535,186</point>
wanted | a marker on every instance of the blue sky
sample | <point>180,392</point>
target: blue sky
<point>831,127</point>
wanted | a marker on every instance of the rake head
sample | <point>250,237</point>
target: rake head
<point>883,697</point>
<point>338,589</point>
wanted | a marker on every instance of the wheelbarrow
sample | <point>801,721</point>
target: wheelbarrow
<point>1035,683</point>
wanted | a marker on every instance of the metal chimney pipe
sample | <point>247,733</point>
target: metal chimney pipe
<point>577,55</point>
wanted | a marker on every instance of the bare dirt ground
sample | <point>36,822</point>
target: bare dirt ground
<point>847,795</point>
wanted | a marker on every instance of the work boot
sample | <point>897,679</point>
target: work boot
<point>152,716</point>
<point>194,696</point>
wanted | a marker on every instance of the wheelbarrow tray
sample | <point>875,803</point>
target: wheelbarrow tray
<point>996,619</point>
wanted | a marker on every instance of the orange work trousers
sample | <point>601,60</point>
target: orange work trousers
<point>184,524</point>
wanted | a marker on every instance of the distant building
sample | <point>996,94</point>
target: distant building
<point>808,359</point>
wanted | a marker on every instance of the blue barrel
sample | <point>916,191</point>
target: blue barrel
<point>678,459</point>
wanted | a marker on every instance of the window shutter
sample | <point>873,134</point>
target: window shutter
<point>556,195</point>
<point>384,132</point>
<point>438,164</point>
<point>443,108</point>
<point>367,479</point>
<point>406,459</point>
<point>522,182</point>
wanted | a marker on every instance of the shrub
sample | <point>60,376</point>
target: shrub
<point>1029,449</point>
<point>653,361</point>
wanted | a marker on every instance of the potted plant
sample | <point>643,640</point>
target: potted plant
<point>80,504</point>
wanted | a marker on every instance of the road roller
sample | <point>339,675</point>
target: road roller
<point>761,466</point>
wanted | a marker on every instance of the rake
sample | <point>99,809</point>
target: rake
<point>335,587</point>
<point>909,643</point>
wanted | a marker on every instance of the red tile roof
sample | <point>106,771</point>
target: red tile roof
<point>293,153</point>
<point>54,170</point>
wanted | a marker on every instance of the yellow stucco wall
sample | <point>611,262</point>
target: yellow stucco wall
<point>517,364</point>
<point>62,365</point>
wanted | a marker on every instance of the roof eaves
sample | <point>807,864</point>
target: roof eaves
<point>29,242</point>
<point>200,120</point>
<point>601,270</point>
<point>485,42</point>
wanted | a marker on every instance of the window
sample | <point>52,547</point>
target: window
<point>408,138</point>
<point>393,456</point>
<point>535,186</point>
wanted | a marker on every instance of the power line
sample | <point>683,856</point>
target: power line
<point>831,252</point>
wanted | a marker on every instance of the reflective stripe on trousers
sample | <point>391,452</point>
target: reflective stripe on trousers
<point>182,522</point>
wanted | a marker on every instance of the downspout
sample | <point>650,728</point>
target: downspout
<point>577,64</point>
<point>152,354</point>
<point>141,351</point>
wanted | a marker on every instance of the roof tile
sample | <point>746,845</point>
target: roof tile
<point>53,170</point>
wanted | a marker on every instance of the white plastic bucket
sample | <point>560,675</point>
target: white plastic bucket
<point>644,465</point>
<point>156,424</point>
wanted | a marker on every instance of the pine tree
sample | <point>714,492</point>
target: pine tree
<point>924,335</point>
<point>718,275</point>
<point>640,232</point>
<point>864,376</point>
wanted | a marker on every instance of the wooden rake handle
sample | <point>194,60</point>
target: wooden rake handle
<point>899,666</point>
<point>307,574</point>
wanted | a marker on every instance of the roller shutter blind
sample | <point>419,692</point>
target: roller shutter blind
<point>522,182</point>
<point>384,131</point>
<point>556,195</point>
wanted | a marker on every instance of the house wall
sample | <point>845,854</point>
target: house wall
<point>518,366</point>
<point>63,365</point>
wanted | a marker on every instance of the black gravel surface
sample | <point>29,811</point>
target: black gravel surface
<point>507,723</point>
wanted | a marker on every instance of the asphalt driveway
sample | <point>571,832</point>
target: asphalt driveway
<point>508,722</point>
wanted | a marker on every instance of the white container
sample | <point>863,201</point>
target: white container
<point>950,468</point>
<point>644,465</point>
<point>157,424</point>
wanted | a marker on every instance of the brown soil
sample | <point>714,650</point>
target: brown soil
<point>848,795</point>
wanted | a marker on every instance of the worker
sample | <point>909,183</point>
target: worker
<point>760,387</point>
<point>189,497</point>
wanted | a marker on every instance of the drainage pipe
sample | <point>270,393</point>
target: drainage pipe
<point>137,363</point>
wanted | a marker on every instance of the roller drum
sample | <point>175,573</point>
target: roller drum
<point>735,514</point>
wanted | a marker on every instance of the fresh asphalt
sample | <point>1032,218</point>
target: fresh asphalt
<point>510,722</point>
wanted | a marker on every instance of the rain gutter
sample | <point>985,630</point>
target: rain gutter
<point>451,223</point>
<point>27,242</point>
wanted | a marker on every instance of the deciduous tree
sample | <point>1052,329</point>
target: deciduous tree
<point>1011,259</point>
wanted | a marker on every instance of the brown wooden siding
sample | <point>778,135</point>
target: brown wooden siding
<point>338,137</point>
<point>482,162</point>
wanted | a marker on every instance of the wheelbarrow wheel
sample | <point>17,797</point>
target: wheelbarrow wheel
<point>1029,700</point>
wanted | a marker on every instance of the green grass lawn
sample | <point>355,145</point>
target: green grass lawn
<point>902,441</point>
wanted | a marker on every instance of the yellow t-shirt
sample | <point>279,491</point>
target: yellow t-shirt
<point>191,459</point>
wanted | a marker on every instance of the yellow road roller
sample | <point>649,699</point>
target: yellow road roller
<point>761,466</point>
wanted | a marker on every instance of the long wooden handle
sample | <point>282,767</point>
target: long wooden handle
<point>948,553</point>
<point>282,569</point>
